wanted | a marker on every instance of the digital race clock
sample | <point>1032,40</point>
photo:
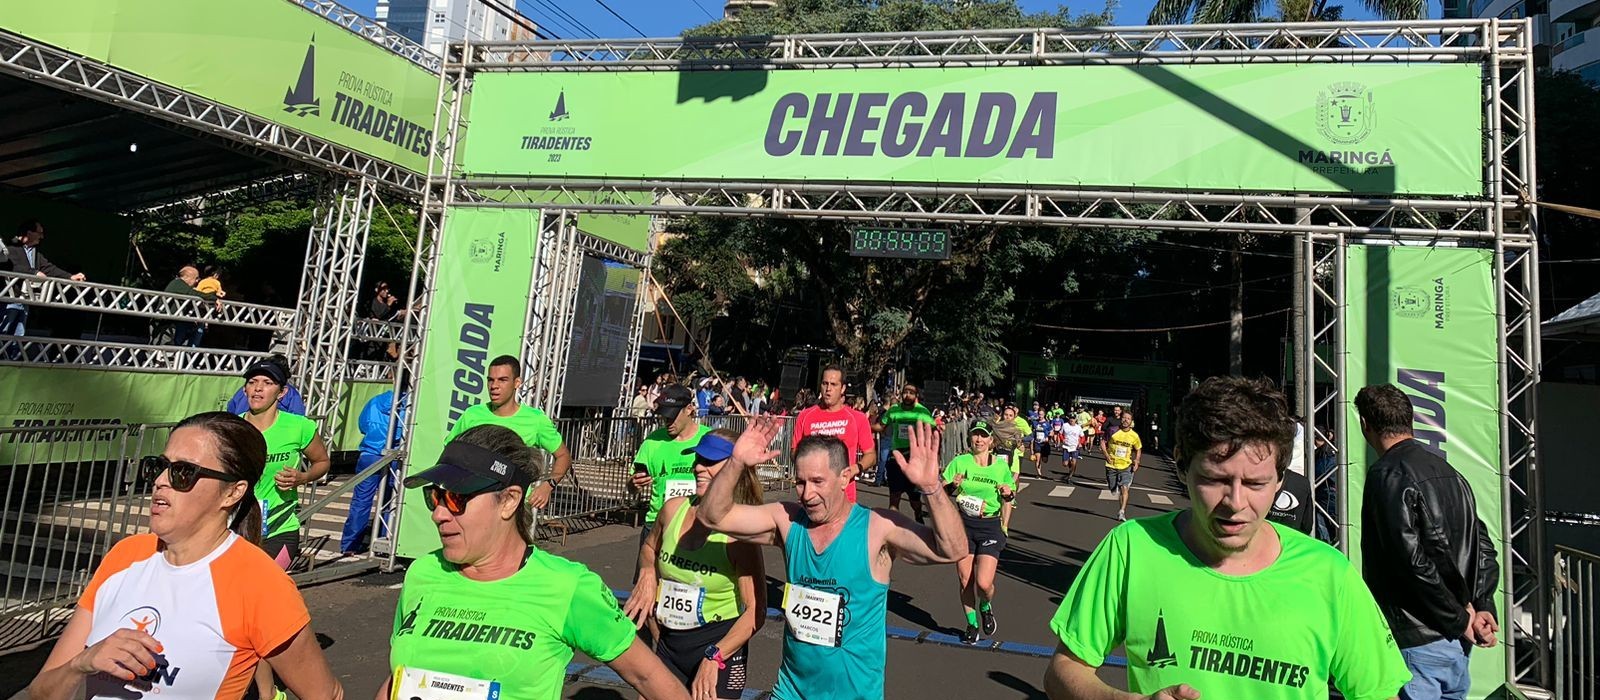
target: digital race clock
<point>915,243</point>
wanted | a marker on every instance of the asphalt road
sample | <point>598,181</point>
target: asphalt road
<point>1053,530</point>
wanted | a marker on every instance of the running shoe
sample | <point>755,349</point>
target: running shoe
<point>989,625</point>
<point>970,636</point>
<point>1121,515</point>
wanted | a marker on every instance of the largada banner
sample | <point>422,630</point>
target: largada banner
<point>1423,319</point>
<point>266,57</point>
<point>1403,128</point>
<point>479,311</point>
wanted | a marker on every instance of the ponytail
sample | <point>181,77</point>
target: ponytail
<point>247,519</point>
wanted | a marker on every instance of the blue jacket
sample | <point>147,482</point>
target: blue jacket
<point>291,402</point>
<point>374,422</point>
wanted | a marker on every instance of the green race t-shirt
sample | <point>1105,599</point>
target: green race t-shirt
<point>288,437</point>
<point>519,631</point>
<point>531,424</point>
<point>670,469</point>
<point>1280,633</point>
<point>978,495</point>
<point>899,420</point>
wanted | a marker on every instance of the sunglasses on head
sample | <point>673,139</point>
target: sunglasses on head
<point>435,495</point>
<point>182,475</point>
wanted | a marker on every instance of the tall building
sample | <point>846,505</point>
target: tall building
<point>732,9</point>
<point>1565,32</point>
<point>436,23</point>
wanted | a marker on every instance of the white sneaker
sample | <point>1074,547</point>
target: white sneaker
<point>1121,516</point>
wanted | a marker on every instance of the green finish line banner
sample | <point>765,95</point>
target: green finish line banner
<point>266,57</point>
<point>1423,319</point>
<point>479,311</point>
<point>1407,128</point>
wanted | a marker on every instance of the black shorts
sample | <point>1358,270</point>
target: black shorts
<point>1044,449</point>
<point>984,536</point>
<point>276,544</point>
<point>683,650</point>
<point>896,478</point>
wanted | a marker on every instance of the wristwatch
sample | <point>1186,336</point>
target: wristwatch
<point>552,483</point>
<point>714,655</point>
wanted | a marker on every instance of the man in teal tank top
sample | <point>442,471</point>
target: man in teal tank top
<point>838,555</point>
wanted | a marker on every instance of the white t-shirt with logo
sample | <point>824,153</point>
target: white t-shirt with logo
<point>215,618</point>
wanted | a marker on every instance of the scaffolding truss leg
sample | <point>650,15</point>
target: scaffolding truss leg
<point>330,285</point>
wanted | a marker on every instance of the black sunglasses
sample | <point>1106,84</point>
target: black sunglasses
<point>183,475</point>
<point>456,503</point>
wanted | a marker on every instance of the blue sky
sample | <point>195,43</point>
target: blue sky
<point>670,17</point>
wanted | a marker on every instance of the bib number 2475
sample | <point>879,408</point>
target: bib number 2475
<point>814,616</point>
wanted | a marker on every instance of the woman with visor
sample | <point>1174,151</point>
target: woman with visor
<point>191,609</point>
<point>489,612</point>
<point>703,595</point>
<point>981,482</point>
<point>289,438</point>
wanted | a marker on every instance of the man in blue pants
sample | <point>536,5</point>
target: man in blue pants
<point>374,424</point>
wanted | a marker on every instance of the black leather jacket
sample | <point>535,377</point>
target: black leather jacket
<point>1426,555</point>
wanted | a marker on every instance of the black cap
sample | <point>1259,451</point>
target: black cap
<point>673,398</point>
<point>981,426</point>
<point>269,369</point>
<point>466,468</point>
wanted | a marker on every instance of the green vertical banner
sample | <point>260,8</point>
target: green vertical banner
<point>479,311</point>
<point>1423,319</point>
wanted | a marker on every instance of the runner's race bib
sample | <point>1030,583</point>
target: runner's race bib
<point>678,605</point>
<point>680,487</point>
<point>1121,451</point>
<point>422,684</point>
<point>813,615</point>
<point>903,432</point>
<point>971,506</point>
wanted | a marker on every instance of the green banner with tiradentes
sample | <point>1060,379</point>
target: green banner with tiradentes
<point>478,311</point>
<point>1325,127</point>
<point>1424,319</point>
<point>266,57</point>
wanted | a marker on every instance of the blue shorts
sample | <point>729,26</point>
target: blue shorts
<point>1070,455</point>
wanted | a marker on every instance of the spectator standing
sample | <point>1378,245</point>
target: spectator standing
<point>1428,557</point>
<point>641,402</point>
<point>188,333</point>
<point>374,424</point>
<point>26,258</point>
<point>385,307</point>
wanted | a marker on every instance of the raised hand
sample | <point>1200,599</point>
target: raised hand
<point>755,443</point>
<point>922,470</point>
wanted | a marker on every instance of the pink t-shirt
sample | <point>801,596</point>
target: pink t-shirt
<point>847,424</point>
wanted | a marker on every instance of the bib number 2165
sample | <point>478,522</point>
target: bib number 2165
<point>814,616</point>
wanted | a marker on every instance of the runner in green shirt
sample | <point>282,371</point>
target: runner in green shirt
<point>702,595</point>
<point>535,428</point>
<point>489,613</point>
<point>289,438</point>
<point>982,482</point>
<point>1214,601</point>
<point>664,465</point>
<point>897,421</point>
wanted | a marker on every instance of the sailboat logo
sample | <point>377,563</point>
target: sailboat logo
<point>301,99</point>
<point>560,112</point>
<point>1160,655</point>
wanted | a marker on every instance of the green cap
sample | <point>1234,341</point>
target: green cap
<point>981,426</point>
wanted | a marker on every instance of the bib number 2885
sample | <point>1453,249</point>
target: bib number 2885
<point>814,616</point>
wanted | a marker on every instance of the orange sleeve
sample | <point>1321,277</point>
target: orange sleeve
<point>126,553</point>
<point>258,603</point>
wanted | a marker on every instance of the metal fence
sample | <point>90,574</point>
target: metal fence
<point>71,492</point>
<point>1577,625</point>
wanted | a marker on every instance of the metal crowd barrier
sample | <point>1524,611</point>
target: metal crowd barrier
<point>1577,624</point>
<point>71,492</point>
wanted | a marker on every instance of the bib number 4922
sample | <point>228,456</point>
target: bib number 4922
<point>814,616</point>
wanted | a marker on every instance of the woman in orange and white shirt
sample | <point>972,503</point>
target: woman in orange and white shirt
<point>187,611</point>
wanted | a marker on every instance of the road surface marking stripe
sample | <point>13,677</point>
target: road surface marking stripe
<point>1062,491</point>
<point>1159,499</point>
<point>1108,495</point>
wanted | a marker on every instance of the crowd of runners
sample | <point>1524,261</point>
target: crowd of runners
<point>1213,600</point>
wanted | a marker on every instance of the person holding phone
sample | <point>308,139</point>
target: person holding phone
<point>664,465</point>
